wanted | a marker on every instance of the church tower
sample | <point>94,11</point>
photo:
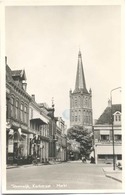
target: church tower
<point>81,100</point>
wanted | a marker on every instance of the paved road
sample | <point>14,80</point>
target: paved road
<point>60,176</point>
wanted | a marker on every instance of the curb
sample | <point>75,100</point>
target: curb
<point>113,178</point>
<point>12,167</point>
<point>30,165</point>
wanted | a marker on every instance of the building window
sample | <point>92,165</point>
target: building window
<point>31,112</point>
<point>117,117</point>
<point>25,114</point>
<point>12,107</point>
<point>7,108</point>
<point>17,110</point>
<point>75,118</point>
<point>84,115</point>
<point>21,112</point>
<point>75,102</point>
<point>72,118</point>
<point>86,102</point>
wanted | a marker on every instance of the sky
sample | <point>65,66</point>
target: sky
<point>45,41</point>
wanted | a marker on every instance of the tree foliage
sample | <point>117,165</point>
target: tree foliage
<point>83,136</point>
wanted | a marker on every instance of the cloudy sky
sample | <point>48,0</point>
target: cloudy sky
<point>45,40</point>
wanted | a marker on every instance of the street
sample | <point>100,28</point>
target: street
<point>70,175</point>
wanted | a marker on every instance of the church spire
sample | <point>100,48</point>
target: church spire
<point>80,84</point>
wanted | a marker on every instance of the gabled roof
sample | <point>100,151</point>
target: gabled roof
<point>19,73</point>
<point>8,73</point>
<point>105,118</point>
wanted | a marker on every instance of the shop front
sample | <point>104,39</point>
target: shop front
<point>16,145</point>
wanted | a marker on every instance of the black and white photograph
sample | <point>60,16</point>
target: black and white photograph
<point>63,98</point>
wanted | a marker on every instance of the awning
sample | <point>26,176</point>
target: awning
<point>104,132</point>
<point>38,121</point>
<point>108,149</point>
<point>117,132</point>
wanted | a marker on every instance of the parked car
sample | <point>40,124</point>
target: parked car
<point>119,164</point>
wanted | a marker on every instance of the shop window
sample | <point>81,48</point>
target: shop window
<point>118,137</point>
<point>104,137</point>
<point>119,157</point>
<point>101,156</point>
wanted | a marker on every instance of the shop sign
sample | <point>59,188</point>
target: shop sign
<point>10,146</point>
<point>15,124</point>
<point>23,127</point>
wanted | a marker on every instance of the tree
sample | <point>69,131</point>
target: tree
<point>83,136</point>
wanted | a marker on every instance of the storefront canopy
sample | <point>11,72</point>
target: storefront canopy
<point>38,121</point>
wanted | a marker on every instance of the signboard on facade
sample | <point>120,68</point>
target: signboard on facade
<point>7,90</point>
<point>10,146</point>
<point>24,127</point>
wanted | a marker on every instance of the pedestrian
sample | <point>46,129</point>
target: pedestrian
<point>83,159</point>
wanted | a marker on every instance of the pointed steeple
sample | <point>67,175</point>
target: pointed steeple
<point>80,84</point>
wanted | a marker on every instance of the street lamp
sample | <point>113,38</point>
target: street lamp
<point>112,126</point>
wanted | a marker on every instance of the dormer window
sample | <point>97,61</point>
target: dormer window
<point>117,117</point>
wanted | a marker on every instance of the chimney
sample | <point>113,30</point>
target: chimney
<point>5,60</point>
<point>109,103</point>
<point>33,97</point>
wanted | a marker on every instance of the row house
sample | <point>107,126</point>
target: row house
<point>39,132</point>
<point>52,129</point>
<point>32,130</point>
<point>17,115</point>
<point>61,144</point>
<point>103,142</point>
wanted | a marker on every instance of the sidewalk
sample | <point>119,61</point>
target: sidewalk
<point>30,165</point>
<point>113,174</point>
